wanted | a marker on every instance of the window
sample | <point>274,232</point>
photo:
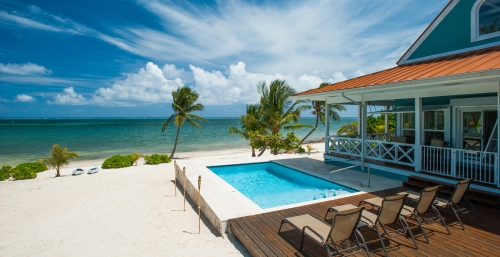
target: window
<point>433,126</point>
<point>409,127</point>
<point>485,19</point>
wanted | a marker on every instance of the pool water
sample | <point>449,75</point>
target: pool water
<point>269,184</point>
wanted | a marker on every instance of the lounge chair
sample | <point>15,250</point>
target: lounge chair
<point>456,198</point>
<point>424,210</point>
<point>389,210</point>
<point>343,230</point>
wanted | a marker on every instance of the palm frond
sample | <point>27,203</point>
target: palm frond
<point>194,123</point>
<point>165,124</point>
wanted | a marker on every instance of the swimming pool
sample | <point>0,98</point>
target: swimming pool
<point>269,184</point>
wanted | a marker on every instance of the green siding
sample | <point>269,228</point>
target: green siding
<point>453,33</point>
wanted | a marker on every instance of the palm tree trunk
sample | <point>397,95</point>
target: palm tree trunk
<point>263,150</point>
<point>315,127</point>
<point>175,144</point>
<point>253,151</point>
<point>58,171</point>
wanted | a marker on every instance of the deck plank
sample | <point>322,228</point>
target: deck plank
<point>259,233</point>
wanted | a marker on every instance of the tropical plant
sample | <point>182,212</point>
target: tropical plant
<point>309,149</point>
<point>262,139</point>
<point>318,110</point>
<point>59,158</point>
<point>135,156</point>
<point>156,159</point>
<point>249,122</point>
<point>117,161</point>
<point>38,166</point>
<point>184,102</point>
<point>374,125</point>
<point>23,172</point>
<point>278,112</point>
<point>350,128</point>
<point>5,172</point>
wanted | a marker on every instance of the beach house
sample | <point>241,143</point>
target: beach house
<point>445,94</point>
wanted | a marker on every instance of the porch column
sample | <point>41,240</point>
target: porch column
<point>363,128</point>
<point>327,127</point>
<point>359,119</point>
<point>418,132</point>
<point>387,122</point>
<point>497,168</point>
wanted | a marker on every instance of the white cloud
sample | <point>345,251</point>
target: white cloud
<point>216,89</point>
<point>171,72</point>
<point>237,85</point>
<point>70,97</point>
<point>23,69</point>
<point>359,73</point>
<point>147,86</point>
<point>240,85</point>
<point>25,98</point>
<point>338,76</point>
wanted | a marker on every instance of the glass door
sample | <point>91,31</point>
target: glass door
<point>477,126</point>
<point>471,130</point>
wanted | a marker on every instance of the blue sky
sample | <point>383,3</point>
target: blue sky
<point>121,58</point>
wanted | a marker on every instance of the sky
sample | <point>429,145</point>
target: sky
<point>123,58</point>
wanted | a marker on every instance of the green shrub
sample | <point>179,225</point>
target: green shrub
<point>34,166</point>
<point>27,170</point>
<point>156,159</point>
<point>302,150</point>
<point>117,161</point>
<point>5,172</point>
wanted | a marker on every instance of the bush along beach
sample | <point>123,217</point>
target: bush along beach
<point>5,172</point>
<point>27,170</point>
<point>156,159</point>
<point>118,161</point>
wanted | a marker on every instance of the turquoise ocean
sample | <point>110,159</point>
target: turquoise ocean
<point>26,140</point>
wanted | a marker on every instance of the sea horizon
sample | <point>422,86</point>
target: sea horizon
<point>29,139</point>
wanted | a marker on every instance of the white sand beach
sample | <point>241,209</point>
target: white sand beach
<point>116,212</point>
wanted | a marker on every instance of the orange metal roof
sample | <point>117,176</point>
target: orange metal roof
<point>474,61</point>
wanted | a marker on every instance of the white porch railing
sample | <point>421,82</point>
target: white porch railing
<point>399,153</point>
<point>458,163</point>
<point>349,145</point>
<point>379,137</point>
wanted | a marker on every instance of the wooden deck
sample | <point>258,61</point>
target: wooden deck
<point>259,233</point>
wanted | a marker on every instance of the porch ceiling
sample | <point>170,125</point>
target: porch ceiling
<point>466,68</point>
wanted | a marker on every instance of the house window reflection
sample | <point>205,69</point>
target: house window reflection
<point>433,126</point>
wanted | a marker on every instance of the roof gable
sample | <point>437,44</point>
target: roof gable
<point>449,33</point>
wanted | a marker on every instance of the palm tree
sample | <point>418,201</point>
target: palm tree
<point>249,122</point>
<point>184,102</point>
<point>59,158</point>
<point>318,108</point>
<point>278,110</point>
